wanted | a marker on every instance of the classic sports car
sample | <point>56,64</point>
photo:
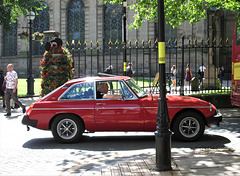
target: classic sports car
<point>115,104</point>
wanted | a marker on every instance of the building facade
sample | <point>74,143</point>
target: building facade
<point>90,22</point>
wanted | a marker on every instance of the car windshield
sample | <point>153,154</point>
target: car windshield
<point>136,88</point>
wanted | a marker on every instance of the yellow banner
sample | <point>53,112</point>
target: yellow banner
<point>161,52</point>
<point>236,71</point>
<point>124,66</point>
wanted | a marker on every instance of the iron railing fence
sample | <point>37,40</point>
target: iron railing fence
<point>90,59</point>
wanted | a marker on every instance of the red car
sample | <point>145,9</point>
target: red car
<point>115,104</point>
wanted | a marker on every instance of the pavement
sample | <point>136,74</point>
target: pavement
<point>186,161</point>
<point>36,153</point>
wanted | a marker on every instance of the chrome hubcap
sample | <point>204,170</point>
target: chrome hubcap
<point>67,129</point>
<point>189,127</point>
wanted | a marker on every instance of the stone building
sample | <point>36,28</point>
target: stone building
<point>90,21</point>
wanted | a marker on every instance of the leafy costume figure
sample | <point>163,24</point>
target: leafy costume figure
<point>56,66</point>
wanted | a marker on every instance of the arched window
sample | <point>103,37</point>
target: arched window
<point>10,41</point>
<point>76,21</point>
<point>113,23</point>
<point>40,24</point>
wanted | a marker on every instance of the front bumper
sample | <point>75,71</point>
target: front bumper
<point>27,121</point>
<point>216,119</point>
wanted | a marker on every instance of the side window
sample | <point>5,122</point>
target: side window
<point>126,91</point>
<point>112,90</point>
<point>104,88</point>
<point>81,91</point>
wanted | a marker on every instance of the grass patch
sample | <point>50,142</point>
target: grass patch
<point>216,92</point>
<point>22,86</point>
<point>143,83</point>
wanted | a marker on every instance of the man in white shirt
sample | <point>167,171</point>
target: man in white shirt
<point>201,72</point>
<point>11,89</point>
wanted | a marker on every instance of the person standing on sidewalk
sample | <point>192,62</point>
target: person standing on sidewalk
<point>11,89</point>
<point>2,91</point>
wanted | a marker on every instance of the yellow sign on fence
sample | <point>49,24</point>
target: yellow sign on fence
<point>124,66</point>
<point>161,52</point>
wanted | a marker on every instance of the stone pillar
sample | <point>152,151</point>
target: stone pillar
<point>93,19</point>
<point>210,80</point>
<point>22,45</point>
<point>55,15</point>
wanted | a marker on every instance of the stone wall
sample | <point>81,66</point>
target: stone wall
<point>94,33</point>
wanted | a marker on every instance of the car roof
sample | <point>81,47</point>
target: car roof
<point>88,79</point>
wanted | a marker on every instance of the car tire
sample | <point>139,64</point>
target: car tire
<point>67,128</point>
<point>188,126</point>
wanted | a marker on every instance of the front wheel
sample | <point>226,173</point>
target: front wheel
<point>67,128</point>
<point>188,126</point>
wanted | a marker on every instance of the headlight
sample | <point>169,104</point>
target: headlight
<point>210,104</point>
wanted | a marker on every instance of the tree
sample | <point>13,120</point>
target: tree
<point>10,10</point>
<point>177,11</point>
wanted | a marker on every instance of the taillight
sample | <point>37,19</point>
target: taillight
<point>29,109</point>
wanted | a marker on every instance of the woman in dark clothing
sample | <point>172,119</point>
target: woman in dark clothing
<point>2,94</point>
<point>188,75</point>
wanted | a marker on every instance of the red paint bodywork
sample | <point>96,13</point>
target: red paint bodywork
<point>113,115</point>
<point>235,97</point>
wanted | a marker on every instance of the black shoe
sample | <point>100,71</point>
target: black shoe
<point>24,110</point>
<point>4,106</point>
<point>8,114</point>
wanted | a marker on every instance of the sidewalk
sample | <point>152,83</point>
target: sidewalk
<point>184,162</point>
<point>230,112</point>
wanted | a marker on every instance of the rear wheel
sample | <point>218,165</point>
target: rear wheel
<point>188,126</point>
<point>67,128</point>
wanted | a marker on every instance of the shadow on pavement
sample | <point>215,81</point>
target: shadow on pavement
<point>115,143</point>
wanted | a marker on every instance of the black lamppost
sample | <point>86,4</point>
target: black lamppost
<point>163,134</point>
<point>124,37</point>
<point>30,79</point>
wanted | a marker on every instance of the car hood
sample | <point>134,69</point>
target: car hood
<point>183,100</point>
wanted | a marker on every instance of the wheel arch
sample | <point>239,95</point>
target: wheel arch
<point>187,110</point>
<point>55,116</point>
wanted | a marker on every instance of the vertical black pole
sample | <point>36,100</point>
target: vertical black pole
<point>182,74</point>
<point>163,134</point>
<point>30,79</point>
<point>124,37</point>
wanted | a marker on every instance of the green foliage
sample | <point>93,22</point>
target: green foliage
<point>10,10</point>
<point>177,11</point>
<point>56,69</point>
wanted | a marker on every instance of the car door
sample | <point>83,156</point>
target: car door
<point>79,100</point>
<point>122,114</point>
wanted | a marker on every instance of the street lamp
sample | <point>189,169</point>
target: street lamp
<point>30,79</point>
<point>163,134</point>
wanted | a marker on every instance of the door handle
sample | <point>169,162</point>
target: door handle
<point>100,104</point>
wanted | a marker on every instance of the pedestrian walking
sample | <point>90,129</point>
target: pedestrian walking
<point>174,76</point>
<point>109,69</point>
<point>130,71</point>
<point>11,89</point>
<point>221,74</point>
<point>201,72</point>
<point>2,88</point>
<point>188,75</point>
